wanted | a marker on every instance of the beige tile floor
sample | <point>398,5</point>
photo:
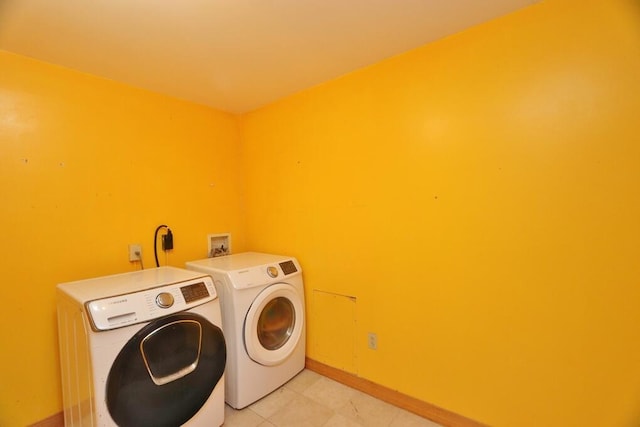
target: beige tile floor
<point>312,400</point>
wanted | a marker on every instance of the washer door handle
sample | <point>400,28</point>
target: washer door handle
<point>185,370</point>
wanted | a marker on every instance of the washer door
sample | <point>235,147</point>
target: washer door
<point>274,324</point>
<point>166,372</point>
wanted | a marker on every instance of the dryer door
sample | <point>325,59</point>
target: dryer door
<point>166,372</point>
<point>274,324</point>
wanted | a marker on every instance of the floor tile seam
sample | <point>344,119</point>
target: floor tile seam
<point>275,413</point>
<point>307,387</point>
<point>311,398</point>
<point>397,413</point>
<point>335,413</point>
<point>263,419</point>
<point>306,396</point>
<point>301,394</point>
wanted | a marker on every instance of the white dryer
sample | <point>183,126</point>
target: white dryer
<point>142,349</point>
<point>263,315</point>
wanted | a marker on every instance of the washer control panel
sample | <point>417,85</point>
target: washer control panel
<point>143,306</point>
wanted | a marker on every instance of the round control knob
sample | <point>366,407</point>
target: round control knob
<point>272,271</point>
<point>164,300</point>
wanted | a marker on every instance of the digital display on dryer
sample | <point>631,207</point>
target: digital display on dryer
<point>288,267</point>
<point>194,292</point>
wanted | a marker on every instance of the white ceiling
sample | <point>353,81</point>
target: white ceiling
<point>233,55</point>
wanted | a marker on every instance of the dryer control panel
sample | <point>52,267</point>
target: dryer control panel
<point>146,305</point>
<point>262,274</point>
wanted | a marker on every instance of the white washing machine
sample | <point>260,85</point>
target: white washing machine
<point>142,349</point>
<point>263,314</point>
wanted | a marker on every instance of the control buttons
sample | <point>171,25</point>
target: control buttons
<point>164,300</point>
<point>272,271</point>
<point>194,292</point>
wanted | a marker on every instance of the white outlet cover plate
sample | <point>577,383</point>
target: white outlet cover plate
<point>133,248</point>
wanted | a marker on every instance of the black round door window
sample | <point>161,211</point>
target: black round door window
<point>276,322</point>
<point>166,372</point>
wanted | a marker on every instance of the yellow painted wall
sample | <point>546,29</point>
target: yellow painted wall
<point>480,197</point>
<point>88,166</point>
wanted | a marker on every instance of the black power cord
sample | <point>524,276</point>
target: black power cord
<point>167,241</point>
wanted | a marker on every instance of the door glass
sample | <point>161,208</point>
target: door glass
<point>276,323</point>
<point>172,350</point>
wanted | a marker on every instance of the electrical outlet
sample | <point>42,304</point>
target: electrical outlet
<point>373,341</point>
<point>135,252</point>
